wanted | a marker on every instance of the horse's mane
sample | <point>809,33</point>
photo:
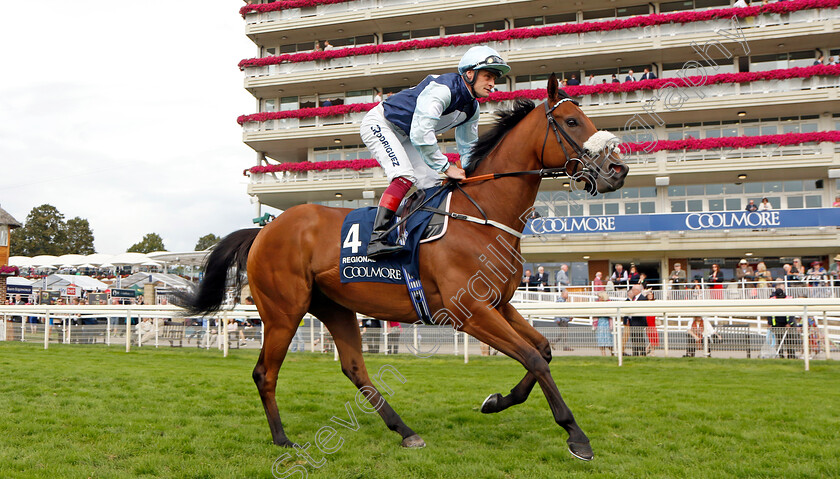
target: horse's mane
<point>505,120</point>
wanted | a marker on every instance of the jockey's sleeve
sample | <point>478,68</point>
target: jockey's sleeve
<point>465,136</point>
<point>431,103</point>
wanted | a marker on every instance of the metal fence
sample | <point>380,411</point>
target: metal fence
<point>716,328</point>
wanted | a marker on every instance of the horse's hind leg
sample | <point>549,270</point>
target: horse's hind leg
<point>343,327</point>
<point>496,402</point>
<point>279,330</point>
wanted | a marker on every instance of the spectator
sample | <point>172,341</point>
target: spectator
<point>629,77</point>
<point>836,203</point>
<point>297,339</point>
<point>652,333</point>
<point>542,279</point>
<point>394,333</point>
<point>678,277</point>
<point>620,278</point>
<point>695,337</point>
<point>327,46</point>
<point>817,275</point>
<point>604,81</point>
<point>534,214</point>
<point>832,60</point>
<point>820,60</point>
<point>598,283</point>
<point>765,205</point>
<point>648,75</point>
<point>740,4</point>
<point>834,271</point>
<point>326,102</point>
<point>762,275</point>
<point>635,276</point>
<point>603,329</point>
<point>563,323</point>
<point>562,277</point>
<point>716,280</point>
<point>574,80</point>
<point>615,79</point>
<point>377,97</point>
<point>591,80</point>
<point>527,280</point>
<point>317,45</point>
<point>744,272</point>
<point>371,333</point>
<point>751,206</point>
<point>779,324</point>
<point>637,324</point>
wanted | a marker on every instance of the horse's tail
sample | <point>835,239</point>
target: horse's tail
<point>229,253</point>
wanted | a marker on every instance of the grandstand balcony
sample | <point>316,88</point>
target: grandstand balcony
<point>799,30</point>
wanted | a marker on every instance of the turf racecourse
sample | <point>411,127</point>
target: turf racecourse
<point>88,411</point>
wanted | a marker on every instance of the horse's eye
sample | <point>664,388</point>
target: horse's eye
<point>571,122</point>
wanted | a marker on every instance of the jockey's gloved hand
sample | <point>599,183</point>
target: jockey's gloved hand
<point>455,173</point>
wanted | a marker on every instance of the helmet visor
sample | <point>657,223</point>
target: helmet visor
<point>493,62</point>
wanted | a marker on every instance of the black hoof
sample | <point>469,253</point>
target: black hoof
<point>413,441</point>
<point>581,450</point>
<point>286,443</point>
<point>491,404</point>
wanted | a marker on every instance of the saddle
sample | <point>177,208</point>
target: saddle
<point>436,228</point>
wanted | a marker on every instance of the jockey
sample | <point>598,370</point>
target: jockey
<point>401,132</point>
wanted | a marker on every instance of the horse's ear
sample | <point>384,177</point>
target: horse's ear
<point>552,88</point>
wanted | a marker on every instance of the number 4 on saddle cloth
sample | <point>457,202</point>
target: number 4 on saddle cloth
<point>403,266</point>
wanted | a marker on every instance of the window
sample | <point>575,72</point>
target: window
<point>813,201</point>
<point>396,36</point>
<point>490,26</point>
<point>269,105</point>
<point>4,235</point>
<point>733,204</point>
<point>458,29</point>
<point>694,205</point>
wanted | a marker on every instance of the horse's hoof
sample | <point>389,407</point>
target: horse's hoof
<point>491,404</point>
<point>413,441</point>
<point>286,443</point>
<point>581,450</point>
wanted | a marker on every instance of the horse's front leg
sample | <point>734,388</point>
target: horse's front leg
<point>496,402</point>
<point>488,326</point>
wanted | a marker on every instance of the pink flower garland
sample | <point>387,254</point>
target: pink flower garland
<point>582,90</point>
<point>536,32</point>
<point>285,5</point>
<point>667,145</point>
<point>9,270</point>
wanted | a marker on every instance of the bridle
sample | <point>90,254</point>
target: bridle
<point>558,131</point>
<point>574,166</point>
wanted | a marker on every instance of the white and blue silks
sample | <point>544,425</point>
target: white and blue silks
<point>401,132</point>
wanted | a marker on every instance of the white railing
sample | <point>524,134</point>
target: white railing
<point>722,90</point>
<point>555,42</point>
<point>737,328</point>
<point>323,175</point>
<point>763,151</point>
<point>704,291</point>
<point>325,10</point>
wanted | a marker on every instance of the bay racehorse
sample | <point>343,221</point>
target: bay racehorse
<point>293,264</point>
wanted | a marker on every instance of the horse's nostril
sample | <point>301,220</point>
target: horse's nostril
<point>618,168</point>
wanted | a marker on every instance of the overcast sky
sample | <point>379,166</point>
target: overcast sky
<point>124,113</point>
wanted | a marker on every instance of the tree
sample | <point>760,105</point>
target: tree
<point>43,233</point>
<point>150,242</point>
<point>79,237</point>
<point>206,241</point>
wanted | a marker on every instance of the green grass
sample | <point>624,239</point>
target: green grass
<point>88,411</point>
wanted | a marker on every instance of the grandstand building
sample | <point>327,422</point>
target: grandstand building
<point>744,107</point>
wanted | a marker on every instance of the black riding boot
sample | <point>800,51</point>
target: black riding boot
<point>379,245</point>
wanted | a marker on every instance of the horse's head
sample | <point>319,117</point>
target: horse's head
<point>573,142</point>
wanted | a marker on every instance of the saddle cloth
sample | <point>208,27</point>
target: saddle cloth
<point>355,266</point>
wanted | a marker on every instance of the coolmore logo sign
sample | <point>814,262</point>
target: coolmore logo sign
<point>706,221</point>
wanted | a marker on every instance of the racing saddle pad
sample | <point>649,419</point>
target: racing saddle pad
<point>402,266</point>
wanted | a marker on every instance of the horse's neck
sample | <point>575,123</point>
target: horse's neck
<point>507,199</point>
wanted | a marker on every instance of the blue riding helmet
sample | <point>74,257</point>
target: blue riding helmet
<point>482,58</point>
